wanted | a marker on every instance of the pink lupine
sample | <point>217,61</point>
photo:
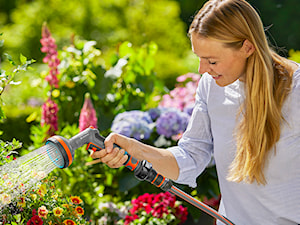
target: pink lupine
<point>87,116</point>
<point>49,116</point>
<point>49,47</point>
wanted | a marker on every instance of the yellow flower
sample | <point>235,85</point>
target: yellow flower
<point>5,198</point>
<point>33,197</point>
<point>42,190</point>
<point>76,200</point>
<point>58,211</point>
<point>70,84</point>
<point>69,222</point>
<point>21,202</point>
<point>55,93</point>
<point>55,196</point>
<point>43,212</point>
<point>79,210</point>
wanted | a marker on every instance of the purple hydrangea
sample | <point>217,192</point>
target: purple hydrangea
<point>172,122</point>
<point>136,124</point>
<point>156,112</point>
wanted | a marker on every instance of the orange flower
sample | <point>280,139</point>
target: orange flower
<point>57,211</point>
<point>43,212</point>
<point>67,206</point>
<point>79,210</point>
<point>69,222</point>
<point>76,200</point>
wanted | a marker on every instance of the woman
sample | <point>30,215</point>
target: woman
<point>245,114</point>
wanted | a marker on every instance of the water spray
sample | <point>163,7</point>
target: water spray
<point>61,151</point>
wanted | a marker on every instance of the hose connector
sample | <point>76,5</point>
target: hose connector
<point>144,171</point>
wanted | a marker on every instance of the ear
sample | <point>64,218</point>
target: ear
<point>248,48</point>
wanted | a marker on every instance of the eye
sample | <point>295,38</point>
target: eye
<point>212,63</point>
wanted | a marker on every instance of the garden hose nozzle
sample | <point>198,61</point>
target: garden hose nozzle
<point>61,152</point>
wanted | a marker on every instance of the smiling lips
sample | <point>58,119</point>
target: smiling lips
<point>216,77</point>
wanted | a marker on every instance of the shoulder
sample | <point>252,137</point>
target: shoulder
<point>296,78</point>
<point>204,86</point>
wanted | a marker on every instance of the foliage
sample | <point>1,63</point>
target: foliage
<point>7,150</point>
<point>294,55</point>
<point>281,29</point>
<point>7,77</point>
<point>81,71</point>
<point>107,22</point>
<point>45,205</point>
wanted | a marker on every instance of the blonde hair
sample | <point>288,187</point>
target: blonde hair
<point>267,83</point>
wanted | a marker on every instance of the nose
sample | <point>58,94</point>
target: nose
<point>203,67</point>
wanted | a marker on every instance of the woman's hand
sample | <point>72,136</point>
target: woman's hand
<point>113,156</point>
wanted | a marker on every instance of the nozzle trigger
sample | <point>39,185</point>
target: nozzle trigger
<point>93,147</point>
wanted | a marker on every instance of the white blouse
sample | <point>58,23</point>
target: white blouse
<point>211,132</point>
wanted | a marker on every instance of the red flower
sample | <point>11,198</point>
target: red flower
<point>79,210</point>
<point>87,116</point>
<point>76,200</point>
<point>69,222</point>
<point>35,220</point>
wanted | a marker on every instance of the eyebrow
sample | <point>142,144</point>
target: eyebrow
<point>206,57</point>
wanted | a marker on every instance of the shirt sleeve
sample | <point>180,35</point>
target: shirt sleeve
<point>194,149</point>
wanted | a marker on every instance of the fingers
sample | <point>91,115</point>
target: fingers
<point>115,159</point>
<point>113,156</point>
<point>109,142</point>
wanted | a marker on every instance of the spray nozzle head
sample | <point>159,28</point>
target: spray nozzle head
<point>60,151</point>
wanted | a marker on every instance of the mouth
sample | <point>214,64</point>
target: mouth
<point>216,77</point>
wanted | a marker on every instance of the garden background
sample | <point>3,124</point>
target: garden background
<point>127,55</point>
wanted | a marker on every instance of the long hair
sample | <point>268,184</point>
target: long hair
<point>267,83</point>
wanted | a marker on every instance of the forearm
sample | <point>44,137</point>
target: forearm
<point>162,160</point>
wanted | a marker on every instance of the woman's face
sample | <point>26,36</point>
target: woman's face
<point>224,64</point>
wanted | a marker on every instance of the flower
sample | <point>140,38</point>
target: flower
<point>87,116</point>
<point>183,95</point>
<point>49,116</point>
<point>79,210</point>
<point>49,47</point>
<point>58,211</point>
<point>172,122</point>
<point>69,222</point>
<point>35,219</point>
<point>158,206</point>
<point>43,208</point>
<point>21,202</point>
<point>5,198</point>
<point>42,190</point>
<point>43,212</point>
<point>76,200</point>
<point>136,124</point>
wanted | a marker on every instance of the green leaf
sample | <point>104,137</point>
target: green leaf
<point>23,59</point>
<point>125,49</point>
<point>1,43</point>
<point>9,59</point>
